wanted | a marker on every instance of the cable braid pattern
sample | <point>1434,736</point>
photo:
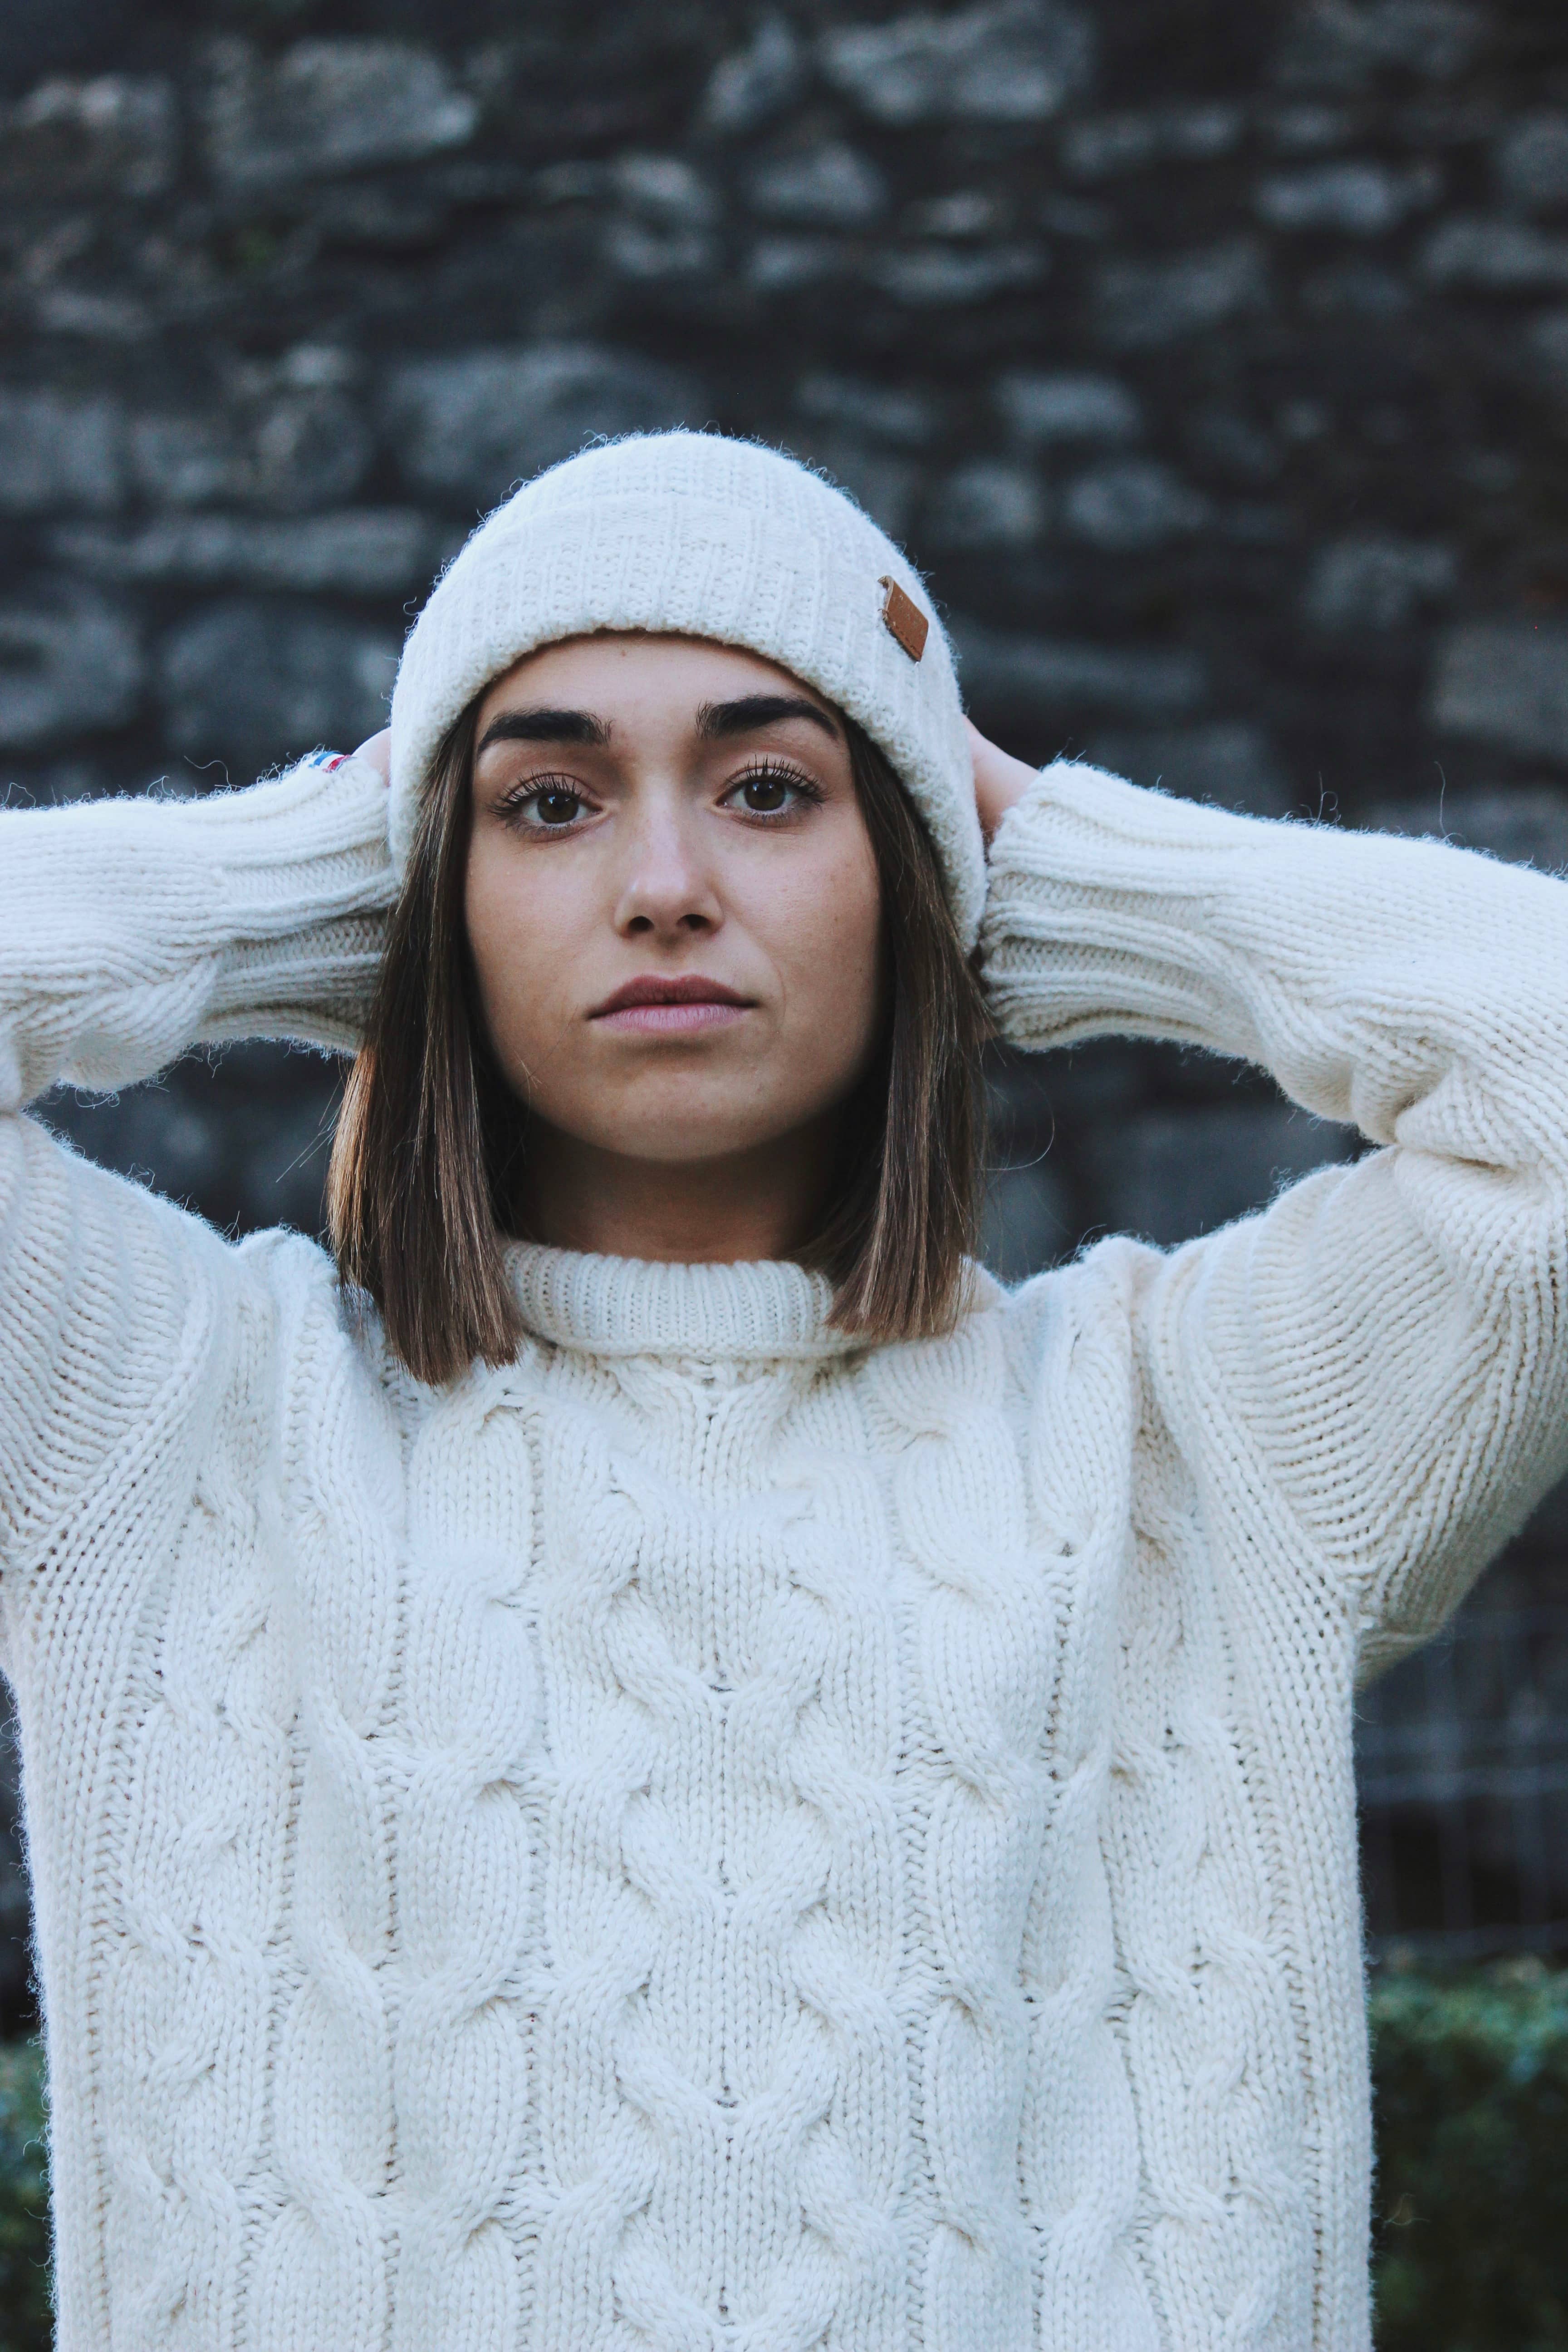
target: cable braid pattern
<point>1199,2003</point>
<point>205,1775</point>
<point>83,1609</point>
<point>719,1694</point>
<point>1078,2154</point>
<point>323,2268</point>
<point>465,1871</point>
<point>1279,1866</point>
<point>988,1643</point>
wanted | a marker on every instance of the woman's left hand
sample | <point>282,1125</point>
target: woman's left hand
<point>999,780</point>
<point>376,753</point>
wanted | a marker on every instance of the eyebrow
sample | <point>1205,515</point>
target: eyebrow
<point>716,721</point>
<point>544,727</point>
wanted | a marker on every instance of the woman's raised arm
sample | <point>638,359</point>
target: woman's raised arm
<point>131,929</point>
<point>1380,1360</point>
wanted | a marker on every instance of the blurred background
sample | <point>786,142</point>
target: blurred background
<point>1211,358</point>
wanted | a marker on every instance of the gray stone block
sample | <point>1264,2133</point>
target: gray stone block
<point>666,212</point>
<point>986,504</point>
<point>664,188</point>
<point>1505,682</point>
<point>894,413</point>
<point>1530,162</point>
<point>1018,62</point>
<point>1225,760</point>
<point>936,277</point>
<point>59,449</point>
<point>474,425</point>
<point>309,448</point>
<point>785,265</point>
<point>664,222</point>
<point>650,254</point>
<point>330,106</point>
<point>362,552</point>
<point>1131,504</point>
<point>1497,257</point>
<point>251,684</point>
<point>882,480</point>
<point>70,663</point>
<point>1227,441</point>
<point>187,459</point>
<point>1105,146</point>
<point>1042,408</point>
<point>1358,289</point>
<point>1142,305</point>
<point>831,185</point>
<point>1307,126</point>
<point>1546,352</point>
<point>295,448</point>
<point>114,136</point>
<point>965,212</point>
<point>1005,670</point>
<point>751,86</point>
<point>1078,218</point>
<point>1348,198</point>
<point>1168,1175</point>
<point>1376,582</point>
<point>1343,45</point>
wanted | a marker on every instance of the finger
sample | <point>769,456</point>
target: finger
<point>376,753</point>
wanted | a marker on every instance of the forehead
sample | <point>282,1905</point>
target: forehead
<point>635,673</point>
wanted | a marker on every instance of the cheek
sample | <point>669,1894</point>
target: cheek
<point>826,939</point>
<point>522,938</point>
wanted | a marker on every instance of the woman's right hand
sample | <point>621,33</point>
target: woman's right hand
<point>376,753</point>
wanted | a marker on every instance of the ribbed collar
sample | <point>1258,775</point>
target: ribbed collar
<point>632,1306</point>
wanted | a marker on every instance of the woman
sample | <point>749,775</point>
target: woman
<point>705,1776</point>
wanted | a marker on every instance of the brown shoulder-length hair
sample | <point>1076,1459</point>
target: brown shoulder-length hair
<point>427,1167</point>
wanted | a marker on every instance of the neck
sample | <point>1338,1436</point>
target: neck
<point>758,1204</point>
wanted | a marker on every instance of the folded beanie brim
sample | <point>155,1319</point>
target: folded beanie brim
<point>691,534</point>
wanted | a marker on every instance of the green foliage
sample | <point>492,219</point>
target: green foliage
<point>1472,2117</point>
<point>23,2202</point>
<point>1472,2130</point>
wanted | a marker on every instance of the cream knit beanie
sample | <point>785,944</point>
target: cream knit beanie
<point>696,535</point>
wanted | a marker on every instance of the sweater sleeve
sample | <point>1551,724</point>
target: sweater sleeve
<point>1379,1361</point>
<point>130,931</point>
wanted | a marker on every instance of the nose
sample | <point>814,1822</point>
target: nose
<point>667,890</point>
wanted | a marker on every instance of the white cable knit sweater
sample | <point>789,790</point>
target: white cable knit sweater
<point>711,1837</point>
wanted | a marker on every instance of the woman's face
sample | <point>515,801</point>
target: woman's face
<point>672,898</point>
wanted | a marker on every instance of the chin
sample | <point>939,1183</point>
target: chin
<point>678,1131</point>
<point>685,1145</point>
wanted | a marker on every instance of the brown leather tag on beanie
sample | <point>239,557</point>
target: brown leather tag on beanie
<point>903,620</point>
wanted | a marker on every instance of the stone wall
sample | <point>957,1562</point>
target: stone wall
<point>1212,358</point>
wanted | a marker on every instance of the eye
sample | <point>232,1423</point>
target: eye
<point>546,808</point>
<point>771,791</point>
<point>555,807</point>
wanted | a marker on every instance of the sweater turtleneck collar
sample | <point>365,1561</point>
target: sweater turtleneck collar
<point>761,1309</point>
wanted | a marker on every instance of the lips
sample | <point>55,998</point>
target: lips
<point>684,1007</point>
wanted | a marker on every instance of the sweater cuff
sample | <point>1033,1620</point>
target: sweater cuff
<point>1098,915</point>
<point>303,877</point>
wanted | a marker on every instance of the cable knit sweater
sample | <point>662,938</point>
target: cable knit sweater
<point>711,1835</point>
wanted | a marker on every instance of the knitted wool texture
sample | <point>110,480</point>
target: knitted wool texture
<point>692,534</point>
<point>709,1836</point>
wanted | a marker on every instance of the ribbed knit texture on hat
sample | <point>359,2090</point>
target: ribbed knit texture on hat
<point>695,535</point>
